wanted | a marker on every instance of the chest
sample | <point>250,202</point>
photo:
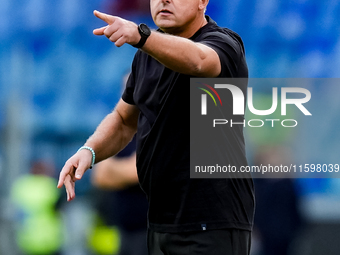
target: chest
<point>153,84</point>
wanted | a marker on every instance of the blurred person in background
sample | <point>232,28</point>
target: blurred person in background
<point>277,217</point>
<point>186,216</point>
<point>38,227</point>
<point>121,201</point>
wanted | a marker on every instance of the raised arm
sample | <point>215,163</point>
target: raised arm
<point>177,53</point>
<point>111,136</point>
<point>183,55</point>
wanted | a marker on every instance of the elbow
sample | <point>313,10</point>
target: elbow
<point>198,64</point>
<point>206,63</point>
<point>197,67</point>
<point>201,67</point>
<point>199,70</point>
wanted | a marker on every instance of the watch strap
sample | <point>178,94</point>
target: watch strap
<point>143,38</point>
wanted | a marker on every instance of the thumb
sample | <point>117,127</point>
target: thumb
<point>105,17</point>
<point>81,169</point>
<point>99,31</point>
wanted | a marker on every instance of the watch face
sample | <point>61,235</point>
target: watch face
<point>145,29</point>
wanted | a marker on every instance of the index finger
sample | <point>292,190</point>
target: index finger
<point>62,176</point>
<point>105,17</point>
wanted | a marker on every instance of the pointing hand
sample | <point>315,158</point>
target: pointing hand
<point>118,30</point>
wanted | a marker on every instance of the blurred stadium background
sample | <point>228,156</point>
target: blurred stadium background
<point>58,80</point>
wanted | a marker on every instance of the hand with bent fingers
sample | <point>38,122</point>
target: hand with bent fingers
<point>73,171</point>
<point>118,30</point>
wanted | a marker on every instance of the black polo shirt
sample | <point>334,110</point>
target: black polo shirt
<point>176,202</point>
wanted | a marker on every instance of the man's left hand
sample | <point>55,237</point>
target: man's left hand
<point>118,30</point>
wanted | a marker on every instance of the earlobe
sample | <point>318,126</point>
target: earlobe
<point>203,4</point>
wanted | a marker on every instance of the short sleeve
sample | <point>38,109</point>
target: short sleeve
<point>230,50</point>
<point>129,89</point>
<point>127,95</point>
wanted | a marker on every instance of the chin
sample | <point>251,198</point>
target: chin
<point>164,23</point>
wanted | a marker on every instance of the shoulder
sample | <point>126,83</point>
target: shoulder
<point>229,47</point>
<point>214,33</point>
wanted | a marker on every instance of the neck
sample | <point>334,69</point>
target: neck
<point>189,30</point>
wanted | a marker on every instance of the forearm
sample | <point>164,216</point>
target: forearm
<point>182,55</point>
<point>177,53</point>
<point>115,173</point>
<point>110,137</point>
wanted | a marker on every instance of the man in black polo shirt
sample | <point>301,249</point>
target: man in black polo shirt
<point>186,216</point>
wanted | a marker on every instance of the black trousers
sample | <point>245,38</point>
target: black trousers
<point>209,242</point>
<point>133,242</point>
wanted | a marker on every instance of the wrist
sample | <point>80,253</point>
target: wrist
<point>92,152</point>
<point>144,32</point>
